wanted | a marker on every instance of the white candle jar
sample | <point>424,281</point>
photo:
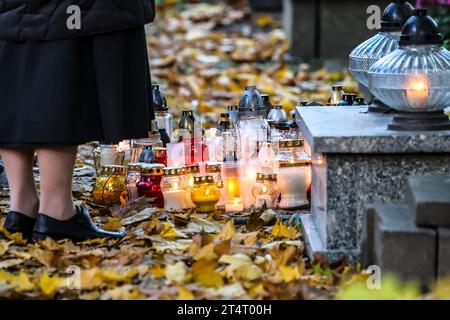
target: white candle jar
<point>174,186</point>
<point>293,180</point>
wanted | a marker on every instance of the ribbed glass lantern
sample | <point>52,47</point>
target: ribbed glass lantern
<point>364,56</point>
<point>415,78</point>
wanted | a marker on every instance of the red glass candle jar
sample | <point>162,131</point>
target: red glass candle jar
<point>150,184</point>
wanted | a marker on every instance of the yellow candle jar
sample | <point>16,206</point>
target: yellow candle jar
<point>110,187</point>
<point>205,194</point>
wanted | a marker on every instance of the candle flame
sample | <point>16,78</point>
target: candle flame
<point>418,91</point>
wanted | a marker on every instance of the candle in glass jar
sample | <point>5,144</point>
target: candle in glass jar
<point>205,194</point>
<point>293,181</point>
<point>246,185</point>
<point>132,178</point>
<point>191,172</point>
<point>174,188</point>
<point>149,185</point>
<point>232,173</point>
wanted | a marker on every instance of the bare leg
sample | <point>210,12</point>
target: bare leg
<point>19,170</point>
<point>56,166</point>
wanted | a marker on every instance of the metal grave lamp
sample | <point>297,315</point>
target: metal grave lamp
<point>364,56</point>
<point>415,78</point>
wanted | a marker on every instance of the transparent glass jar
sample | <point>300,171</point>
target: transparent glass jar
<point>110,187</point>
<point>266,156</point>
<point>337,93</point>
<point>149,185</point>
<point>253,131</point>
<point>266,190</point>
<point>174,185</point>
<point>107,155</point>
<point>290,151</point>
<point>132,178</point>
<point>205,194</point>
<point>142,151</point>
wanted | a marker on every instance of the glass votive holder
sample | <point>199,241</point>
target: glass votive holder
<point>174,186</point>
<point>205,194</point>
<point>175,154</point>
<point>293,183</point>
<point>149,185</point>
<point>214,169</point>
<point>132,177</point>
<point>247,182</point>
<point>266,190</point>
<point>107,155</point>
<point>231,174</point>
<point>142,151</point>
<point>110,188</point>
<point>191,171</point>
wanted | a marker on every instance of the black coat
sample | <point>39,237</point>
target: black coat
<point>47,19</point>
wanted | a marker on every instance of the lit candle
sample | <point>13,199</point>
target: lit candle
<point>231,173</point>
<point>174,200</point>
<point>418,91</point>
<point>246,185</point>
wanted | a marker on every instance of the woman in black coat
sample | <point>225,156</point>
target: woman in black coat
<point>71,71</point>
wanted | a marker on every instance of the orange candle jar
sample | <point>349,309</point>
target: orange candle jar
<point>110,187</point>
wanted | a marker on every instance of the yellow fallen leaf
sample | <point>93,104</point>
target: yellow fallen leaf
<point>241,266</point>
<point>280,230</point>
<point>49,285</point>
<point>250,241</point>
<point>113,276</point>
<point>185,294</point>
<point>203,272</point>
<point>45,257</point>
<point>264,21</point>
<point>169,232</point>
<point>157,272</point>
<point>113,224</point>
<point>176,273</point>
<point>6,276</point>
<point>207,253</point>
<point>22,283</point>
<point>4,246</point>
<point>228,231</point>
<point>289,274</point>
<point>16,237</point>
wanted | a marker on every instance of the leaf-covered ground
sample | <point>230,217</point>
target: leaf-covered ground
<point>204,55</point>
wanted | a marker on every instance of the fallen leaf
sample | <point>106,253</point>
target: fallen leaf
<point>185,294</point>
<point>176,273</point>
<point>203,272</point>
<point>228,231</point>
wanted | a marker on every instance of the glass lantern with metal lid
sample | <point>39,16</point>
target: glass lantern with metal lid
<point>205,194</point>
<point>162,115</point>
<point>149,185</point>
<point>364,56</point>
<point>191,171</point>
<point>110,187</point>
<point>266,190</point>
<point>415,78</point>
<point>252,126</point>
<point>174,185</point>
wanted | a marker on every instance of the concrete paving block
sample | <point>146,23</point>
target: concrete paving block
<point>403,248</point>
<point>444,252</point>
<point>428,198</point>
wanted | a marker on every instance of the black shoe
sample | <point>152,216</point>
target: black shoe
<point>79,228</point>
<point>17,222</point>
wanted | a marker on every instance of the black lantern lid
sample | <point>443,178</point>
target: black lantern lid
<point>395,15</point>
<point>159,99</point>
<point>421,29</point>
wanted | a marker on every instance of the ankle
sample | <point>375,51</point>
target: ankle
<point>58,211</point>
<point>28,207</point>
